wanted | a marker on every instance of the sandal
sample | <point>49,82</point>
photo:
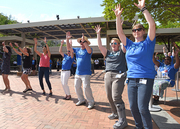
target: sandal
<point>68,97</point>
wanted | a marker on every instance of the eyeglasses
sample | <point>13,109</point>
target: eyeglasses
<point>83,42</point>
<point>113,43</point>
<point>166,59</point>
<point>139,29</point>
<point>68,51</point>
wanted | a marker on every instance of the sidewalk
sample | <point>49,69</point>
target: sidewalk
<point>34,111</point>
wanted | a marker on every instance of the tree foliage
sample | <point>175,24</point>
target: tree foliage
<point>161,10</point>
<point>6,20</point>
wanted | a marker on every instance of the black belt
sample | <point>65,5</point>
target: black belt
<point>114,71</point>
<point>65,70</point>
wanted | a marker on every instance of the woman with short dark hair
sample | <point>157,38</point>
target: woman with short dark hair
<point>5,67</point>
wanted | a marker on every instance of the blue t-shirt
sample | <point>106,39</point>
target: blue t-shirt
<point>139,58</point>
<point>67,62</point>
<point>33,62</point>
<point>171,72</point>
<point>74,65</point>
<point>50,61</point>
<point>83,61</point>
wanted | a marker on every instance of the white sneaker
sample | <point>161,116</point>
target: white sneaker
<point>90,105</point>
<point>80,103</point>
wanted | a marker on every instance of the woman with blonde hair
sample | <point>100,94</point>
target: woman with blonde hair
<point>141,71</point>
<point>25,54</point>
<point>114,78</point>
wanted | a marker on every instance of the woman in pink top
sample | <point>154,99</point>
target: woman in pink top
<point>44,65</point>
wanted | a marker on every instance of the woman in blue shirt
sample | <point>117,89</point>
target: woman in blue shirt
<point>66,67</point>
<point>141,70</point>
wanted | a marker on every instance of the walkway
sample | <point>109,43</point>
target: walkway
<point>34,111</point>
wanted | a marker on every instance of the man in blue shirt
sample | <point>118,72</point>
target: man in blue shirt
<point>167,69</point>
<point>50,61</point>
<point>83,71</point>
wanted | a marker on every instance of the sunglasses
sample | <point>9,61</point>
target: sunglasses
<point>82,42</point>
<point>139,29</point>
<point>113,43</point>
<point>68,51</point>
<point>166,59</point>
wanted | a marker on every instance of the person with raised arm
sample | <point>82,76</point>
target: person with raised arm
<point>169,71</point>
<point>44,65</point>
<point>141,71</point>
<point>114,78</point>
<point>66,67</point>
<point>83,71</point>
<point>5,66</point>
<point>27,64</point>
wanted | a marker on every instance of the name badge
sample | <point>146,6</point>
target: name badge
<point>142,81</point>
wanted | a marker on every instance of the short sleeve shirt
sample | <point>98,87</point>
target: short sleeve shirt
<point>83,61</point>
<point>171,72</point>
<point>116,61</point>
<point>139,58</point>
<point>67,62</point>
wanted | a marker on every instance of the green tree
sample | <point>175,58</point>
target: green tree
<point>161,10</point>
<point>6,20</point>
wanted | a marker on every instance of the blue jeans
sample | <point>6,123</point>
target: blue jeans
<point>44,71</point>
<point>139,94</point>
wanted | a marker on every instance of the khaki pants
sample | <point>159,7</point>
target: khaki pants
<point>114,88</point>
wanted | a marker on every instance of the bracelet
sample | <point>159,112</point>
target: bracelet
<point>144,8</point>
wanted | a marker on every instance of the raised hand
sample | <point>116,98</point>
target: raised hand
<point>45,41</point>
<point>68,35</point>
<point>3,43</point>
<point>35,40</point>
<point>118,10</point>
<point>11,44</point>
<point>176,45</point>
<point>176,52</point>
<point>97,29</point>
<point>82,37</point>
<point>16,44</point>
<point>62,42</point>
<point>141,4</point>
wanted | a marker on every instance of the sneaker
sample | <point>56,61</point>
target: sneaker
<point>113,116</point>
<point>90,105</point>
<point>120,125</point>
<point>80,103</point>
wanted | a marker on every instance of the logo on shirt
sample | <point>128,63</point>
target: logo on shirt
<point>112,54</point>
<point>136,46</point>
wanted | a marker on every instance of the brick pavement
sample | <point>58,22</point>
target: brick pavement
<point>34,111</point>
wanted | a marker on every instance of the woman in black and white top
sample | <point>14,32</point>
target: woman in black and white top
<point>26,59</point>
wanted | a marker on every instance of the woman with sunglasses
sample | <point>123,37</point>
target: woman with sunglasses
<point>141,71</point>
<point>44,65</point>
<point>5,66</point>
<point>114,78</point>
<point>66,69</point>
<point>27,67</point>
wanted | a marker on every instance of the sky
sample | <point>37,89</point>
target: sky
<point>46,10</point>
